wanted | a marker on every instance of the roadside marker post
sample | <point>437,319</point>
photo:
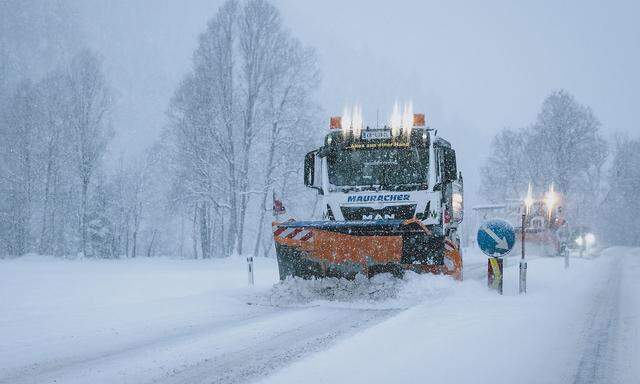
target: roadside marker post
<point>523,277</point>
<point>522,286</point>
<point>250,264</point>
<point>526,208</point>
<point>496,238</point>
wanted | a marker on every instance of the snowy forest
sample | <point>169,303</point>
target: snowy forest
<point>235,128</point>
<point>235,134</point>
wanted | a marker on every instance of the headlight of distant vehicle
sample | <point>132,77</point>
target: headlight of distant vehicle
<point>589,239</point>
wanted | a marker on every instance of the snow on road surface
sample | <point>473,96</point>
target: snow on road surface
<point>162,320</point>
<point>611,333</point>
<point>188,321</point>
<point>575,326</point>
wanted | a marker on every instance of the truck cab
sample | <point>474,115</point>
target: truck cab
<point>376,175</point>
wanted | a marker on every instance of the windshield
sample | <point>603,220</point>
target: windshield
<point>389,168</point>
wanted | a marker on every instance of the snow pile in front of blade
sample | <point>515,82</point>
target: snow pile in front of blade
<point>382,291</point>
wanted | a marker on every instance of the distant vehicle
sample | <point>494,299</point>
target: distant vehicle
<point>391,198</point>
<point>543,227</point>
<point>582,240</point>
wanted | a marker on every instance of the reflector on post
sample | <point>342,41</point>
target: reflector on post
<point>336,122</point>
<point>418,119</point>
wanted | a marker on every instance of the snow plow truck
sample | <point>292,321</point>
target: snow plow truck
<point>391,201</point>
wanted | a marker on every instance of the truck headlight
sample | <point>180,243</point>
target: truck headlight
<point>457,202</point>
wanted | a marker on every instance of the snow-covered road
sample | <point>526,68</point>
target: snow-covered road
<point>575,326</point>
<point>611,337</point>
<point>186,321</point>
<point>263,346</point>
<point>166,321</point>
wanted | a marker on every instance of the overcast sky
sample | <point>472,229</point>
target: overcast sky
<point>473,67</point>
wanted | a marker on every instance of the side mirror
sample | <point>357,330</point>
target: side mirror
<point>309,168</point>
<point>312,171</point>
<point>450,172</point>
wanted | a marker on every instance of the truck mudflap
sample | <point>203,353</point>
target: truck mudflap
<point>313,249</point>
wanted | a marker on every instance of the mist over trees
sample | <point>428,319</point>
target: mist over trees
<point>237,129</point>
<point>564,147</point>
<point>35,36</point>
<point>54,134</point>
<point>621,206</point>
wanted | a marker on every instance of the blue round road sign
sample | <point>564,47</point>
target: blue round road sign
<point>496,237</point>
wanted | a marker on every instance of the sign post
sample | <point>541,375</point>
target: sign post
<point>523,262</point>
<point>496,239</point>
<point>495,269</point>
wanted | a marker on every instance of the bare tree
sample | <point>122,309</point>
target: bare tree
<point>506,174</point>
<point>34,38</point>
<point>199,180</point>
<point>563,147</point>
<point>203,120</point>
<point>261,38</point>
<point>288,110</point>
<point>56,161</point>
<point>566,139</point>
<point>18,169</point>
<point>127,188</point>
<point>90,102</point>
<point>249,82</point>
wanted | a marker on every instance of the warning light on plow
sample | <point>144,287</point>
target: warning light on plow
<point>418,120</point>
<point>335,122</point>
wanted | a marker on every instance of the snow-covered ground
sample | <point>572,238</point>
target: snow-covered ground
<point>125,319</point>
<point>192,321</point>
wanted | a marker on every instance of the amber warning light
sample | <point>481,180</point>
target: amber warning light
<point>418,119</point>
<point>336,122</point>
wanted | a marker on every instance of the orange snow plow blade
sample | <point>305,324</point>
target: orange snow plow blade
<point>343,249</point>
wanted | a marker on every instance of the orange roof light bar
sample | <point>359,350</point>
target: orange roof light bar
<point>335,122</point>
<point>418,120</point>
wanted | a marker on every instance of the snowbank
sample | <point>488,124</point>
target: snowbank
<point>380,292</point>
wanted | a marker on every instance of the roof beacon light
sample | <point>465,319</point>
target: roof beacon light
<point>357,122</point>
<point>335,122</point>
<point>407,119</point>
<point>395,121</point>
<point>351,121</point>
<point>401,120</point>
<point>528,201</point>
<point>551,199</point>
<point>418,120</point>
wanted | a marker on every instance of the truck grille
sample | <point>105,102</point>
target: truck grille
<point>401,212</point>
